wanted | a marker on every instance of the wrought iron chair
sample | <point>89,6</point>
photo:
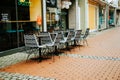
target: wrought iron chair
<point>84,36</point>
<point>56,42</point>
<point>72,32</point>
<point>51,40</point>
<point>68,39</point>
<point>61,37</point>
<point>48,41</point>
<point>77,37</point>
<point>32,44</point>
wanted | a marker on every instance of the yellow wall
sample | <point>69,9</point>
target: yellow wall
<point>93,2</point>
<point>35,9</point>
<point>92,16</point>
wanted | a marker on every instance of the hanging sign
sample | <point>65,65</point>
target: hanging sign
<point>23,3</point>
<point>39,20</point>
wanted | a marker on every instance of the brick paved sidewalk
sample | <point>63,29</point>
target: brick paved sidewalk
<point>98,61</point>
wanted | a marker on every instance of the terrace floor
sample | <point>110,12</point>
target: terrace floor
<point>100,60</point>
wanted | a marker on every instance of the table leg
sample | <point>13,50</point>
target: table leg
<point>40,54</point>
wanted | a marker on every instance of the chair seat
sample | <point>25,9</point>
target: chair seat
<point>50,44</point>
<point>42,46</point>
<point>73,38</point>
<point>65,38</point>
<point>32,45</point>
<point>82,36</point>
<point>62,41</point>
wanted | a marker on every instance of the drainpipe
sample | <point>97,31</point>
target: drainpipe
<point>115,17</point>
<point>107,15</point>
<point>105,18</point>
<point>44,15</point>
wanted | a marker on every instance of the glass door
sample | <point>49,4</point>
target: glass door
<point>51,23</point>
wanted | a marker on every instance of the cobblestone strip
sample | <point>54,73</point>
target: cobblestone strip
<point>13,59</point>
<point>92,57</point>
<point>17,76</point>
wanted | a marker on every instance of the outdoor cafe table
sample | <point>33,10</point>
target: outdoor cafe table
<point>39,38</point>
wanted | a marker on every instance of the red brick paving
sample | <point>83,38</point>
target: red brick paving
<point>70,68</point>
<point>105,44</point>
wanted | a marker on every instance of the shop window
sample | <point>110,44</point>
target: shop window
<point>14,23</point>
<point>51,23</point>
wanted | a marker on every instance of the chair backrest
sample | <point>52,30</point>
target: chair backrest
<point>78,34</point>
<point>45,38</point>
<point>57,30</point>
<point>60,32</point>
<point>59,37</point>
<point>86,33</point>
<point>71,34</point>
<point>72,31</point>
<point>31,40</point>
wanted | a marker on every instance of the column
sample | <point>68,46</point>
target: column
<point>44,15</point>
<point>86,14</point>
<point>107,15</point>
<point>77,16</point>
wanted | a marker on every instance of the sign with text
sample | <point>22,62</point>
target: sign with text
<point>24,2</point>
<point>4,17</point>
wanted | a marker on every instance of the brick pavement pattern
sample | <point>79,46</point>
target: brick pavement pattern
<point>100,60</point>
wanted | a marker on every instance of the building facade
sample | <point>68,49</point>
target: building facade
<point>17,17</point>
<point>93,15</point>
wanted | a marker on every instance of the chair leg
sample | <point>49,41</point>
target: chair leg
<point>29,53</point>
<point>53,57</point>
<point>83,41</point>
<point>59,56</point>
<point>28,56</point>
<point>78,43</point>
<point>86,42</point>
<point>44,51</point>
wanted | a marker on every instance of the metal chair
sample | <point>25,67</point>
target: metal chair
<point>48,41</point>
<point>68,39</point>
<point>32,44</point>
<point>61,37</point>
<point>77,37</point>
<point>72,32</point>
<point>56,42</point>
<point>51,40</point>
<point>84,36</point>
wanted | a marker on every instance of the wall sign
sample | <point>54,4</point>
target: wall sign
<point>39,20</point>
<point>24,2</point>
<point>4,17</point>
